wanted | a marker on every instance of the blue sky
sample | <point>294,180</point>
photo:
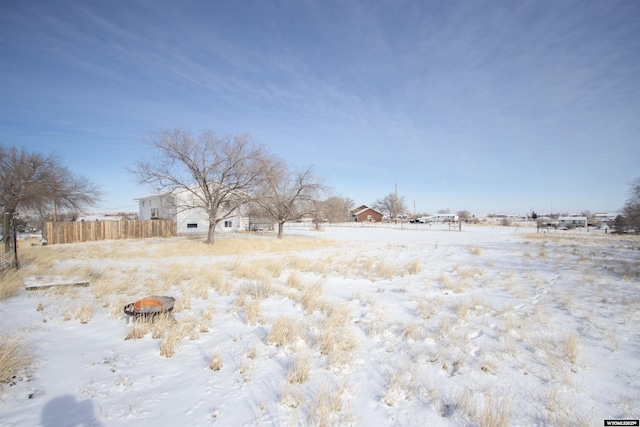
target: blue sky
<point>487,106</point>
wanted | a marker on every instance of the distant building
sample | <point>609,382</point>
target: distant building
<point>572,221</point>
<point>439,218</point>
<point>366,214</point>
<point>605,216</point>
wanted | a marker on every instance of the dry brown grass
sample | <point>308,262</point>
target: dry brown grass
<point>184,302</point>
<point>427,308</point>
<point>159,256</point>
<point>252,311</point>
<point>160,325</point>
<point>416,267</point>
<point>215,361</point>
<point>284,332</point>
<point>561,411</point>
<point>294,280</point>
<point>327,406</point>
<point>116,307</point>
<point>299,371</point>
<point>496,411</point>
<point>85,313</point>
<point>385,269</point>
<point>257,289</point>
<point>16,358</point>
<point>310,297</point>
<point>476,250</point>
<point>414,330</point>
<point>206,317</point>
<point>291,396</point>
<point>10,283</point>
<point>336,340</point>
<point>570,347</point>
<point>170,342</point>
<point>138,330</point>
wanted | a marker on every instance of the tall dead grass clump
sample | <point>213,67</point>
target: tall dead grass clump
<point>183,303</point>
<point>160,325</point>
<point>414,330</point>
<point>16,357</point>
<point>299,371</point>
<point>294,280</point>
<point>299,264</point>
<point>310,297</point>
<point>172,274</point>
<point>447,282</point>
<point>200,287</point>
<point>170,342</point>
<point>284,332</point>
<point>416,267</point>
<point>258,289</point>
<point>476,250</point>
<point>561,412</point>
<point>215,361</point>
<point>116,307</point>
<point>138,330</point>
<point>252,311</point>
<point>327,406</point>
<point>336,340</point>
<point>427,308</point>
<point>248,270</point>
<point>206,318</point>
<point>10,283</point>
<point>397,388</point>
<point>496,411</point>
<point>85,313</point>
<point>570,347</point>
<point>385,270</point>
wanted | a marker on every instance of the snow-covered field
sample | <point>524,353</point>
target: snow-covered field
<point>347,326</point>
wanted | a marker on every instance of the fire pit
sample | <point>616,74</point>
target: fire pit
<point>150,306</point>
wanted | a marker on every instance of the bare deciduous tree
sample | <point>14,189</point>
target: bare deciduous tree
<point>464,215</point>
<point>286,195</point>
<point>631,207</point>
<point>217,173</point>
<point>391,205</point>
<point>69,192</point>
<point>33,182</point>
<point>337,209</point>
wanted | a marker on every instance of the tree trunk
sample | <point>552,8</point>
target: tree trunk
<point>212,232</point>
<point>14,230</point>
<point>280,230</point>
<point>5,231</point>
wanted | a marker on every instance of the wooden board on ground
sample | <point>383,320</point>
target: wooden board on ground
<point>34,283</point>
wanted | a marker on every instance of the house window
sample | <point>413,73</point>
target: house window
<point>154,213</point>
<point>228,224</point>
<point>192,225</point>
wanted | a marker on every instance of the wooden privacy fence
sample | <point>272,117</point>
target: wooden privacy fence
<point>91,231</point>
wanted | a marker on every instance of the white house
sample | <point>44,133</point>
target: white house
<point>173,205</point>
<point>440,218</point>
<point>572,221</point>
